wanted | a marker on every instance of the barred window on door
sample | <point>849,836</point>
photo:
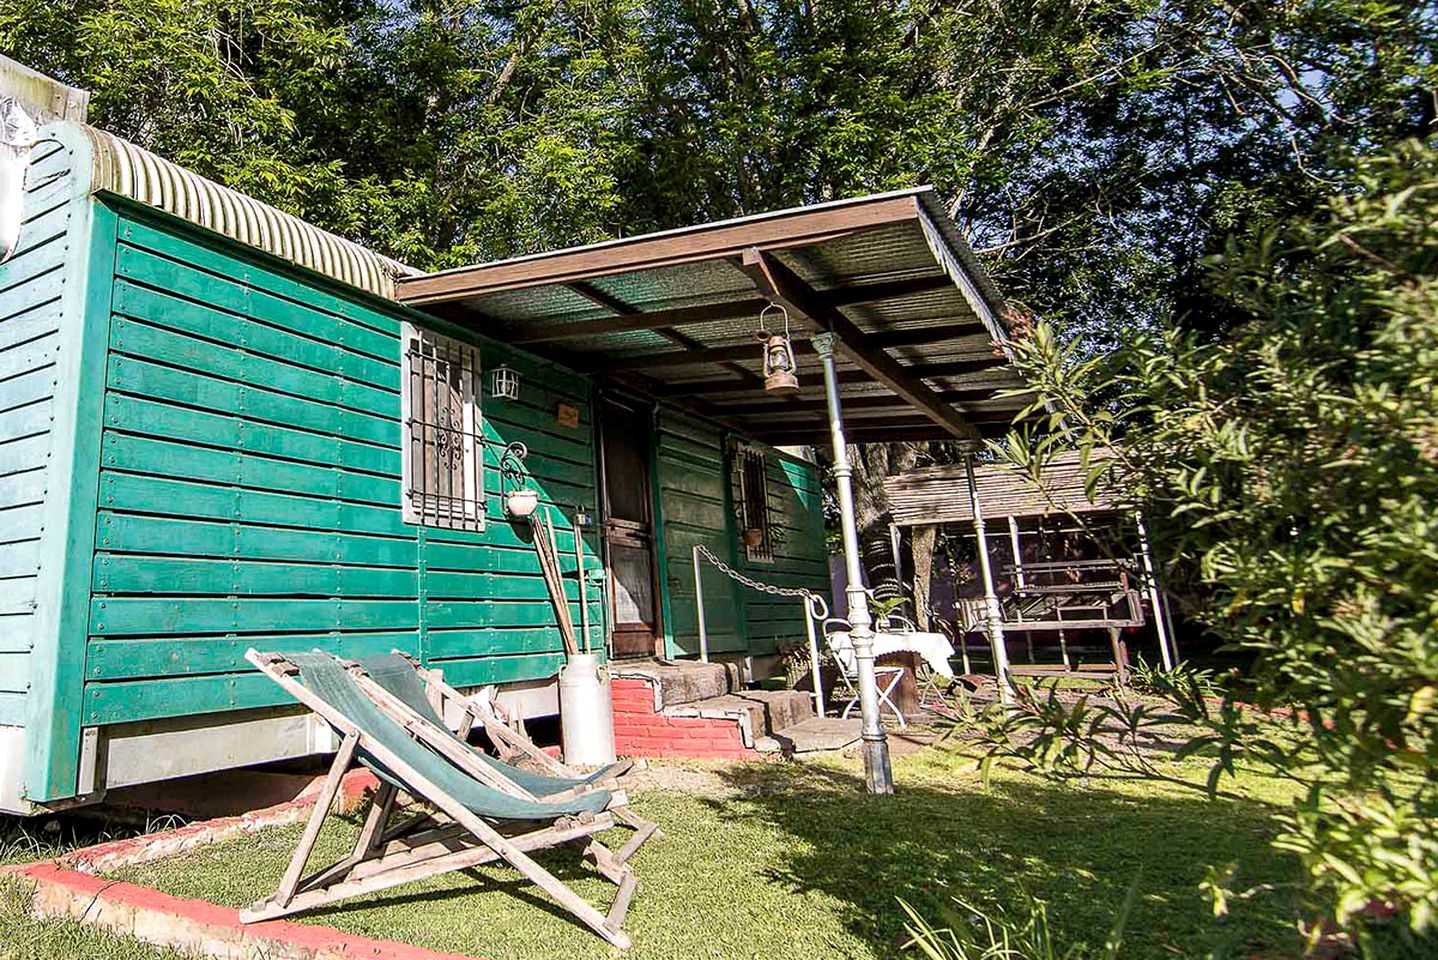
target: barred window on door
<point>443,442</point>
<point>758,537</point>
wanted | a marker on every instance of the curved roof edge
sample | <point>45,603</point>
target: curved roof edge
<point>122,168</point>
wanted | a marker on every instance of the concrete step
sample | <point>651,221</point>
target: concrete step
<point>818,733</point>
<point>759,712</point>
<point>681,681</point>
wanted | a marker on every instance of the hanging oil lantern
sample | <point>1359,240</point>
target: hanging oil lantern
<point>779,364</point>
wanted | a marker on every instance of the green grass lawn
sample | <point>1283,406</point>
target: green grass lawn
<point>795,861</point>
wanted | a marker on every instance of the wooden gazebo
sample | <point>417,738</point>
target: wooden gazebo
<point>1042,595</point>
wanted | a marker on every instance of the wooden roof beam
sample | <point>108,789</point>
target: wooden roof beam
<point>639,320</point>
<point>923,371</point>
<point>883,402</point>
<point>621,308</point>
<point>780,283</point>
<point>884,290</point>
<point>772,277</point>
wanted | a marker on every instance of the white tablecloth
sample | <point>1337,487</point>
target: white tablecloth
<point>935,648</point>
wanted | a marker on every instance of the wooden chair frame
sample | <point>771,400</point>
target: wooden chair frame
<point>388,854</point>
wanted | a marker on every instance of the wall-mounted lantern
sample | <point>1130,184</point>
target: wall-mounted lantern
<point>780,368</point>
<point>504,383</point>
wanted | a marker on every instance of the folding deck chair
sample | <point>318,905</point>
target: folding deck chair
<point>425,693</point>
<point>486,810</point>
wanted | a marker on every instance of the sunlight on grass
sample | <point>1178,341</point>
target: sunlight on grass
<point>797,862</point>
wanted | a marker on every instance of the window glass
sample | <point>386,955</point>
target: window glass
<point>443,445</point>
<point>756,534</point>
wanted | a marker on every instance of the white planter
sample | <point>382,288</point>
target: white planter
<point>521,503</point>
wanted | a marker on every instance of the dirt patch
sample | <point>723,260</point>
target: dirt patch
<point>698,779</point>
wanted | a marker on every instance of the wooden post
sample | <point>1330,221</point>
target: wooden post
<point>994,615</point>
<point>1120,657</point>
<point>1167,647</point>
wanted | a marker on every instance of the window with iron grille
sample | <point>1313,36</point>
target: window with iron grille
<point>756,534</point>
<point>443,440</point>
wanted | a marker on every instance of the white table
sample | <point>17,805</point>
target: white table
<point>935,648</point>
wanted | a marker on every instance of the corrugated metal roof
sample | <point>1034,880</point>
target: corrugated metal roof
<point>121,168</point>
<point>941,494</point>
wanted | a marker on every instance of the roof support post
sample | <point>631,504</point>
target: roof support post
<point>1167,647</point>
<point>993,614</point>
<point>878,773</point>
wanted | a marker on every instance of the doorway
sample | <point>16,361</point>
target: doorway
<point>625,432</point>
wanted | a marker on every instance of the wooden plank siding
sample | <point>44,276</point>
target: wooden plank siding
<point>33,304</point>
<point>800,554</point>
<point>250,489</point>
<point>694,508</point>
<point>699,488</point>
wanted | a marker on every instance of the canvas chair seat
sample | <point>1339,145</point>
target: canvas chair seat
<point>328,678</point>
<point>398,675</point>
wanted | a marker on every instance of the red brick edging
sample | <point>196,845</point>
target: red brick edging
<point>68,887</point>
<point>196,925</point>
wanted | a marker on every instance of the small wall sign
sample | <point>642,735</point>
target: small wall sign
<point>568,416</point>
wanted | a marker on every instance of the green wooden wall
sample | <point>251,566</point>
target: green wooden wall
<point>32,287</point>
<point>800,553</point>
<point>199,453</point>
<point>250,490</point>
<point>699,487</point>
<point>691,467</point>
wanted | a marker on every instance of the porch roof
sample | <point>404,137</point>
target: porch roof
<point>941,494</point>
<point>922,341</point>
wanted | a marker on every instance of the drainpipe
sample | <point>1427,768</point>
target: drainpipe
<point>994,615</point>
<point>877,771</point>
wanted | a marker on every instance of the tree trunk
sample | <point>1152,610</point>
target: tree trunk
<point>872,463</point>
<point>922,544</point>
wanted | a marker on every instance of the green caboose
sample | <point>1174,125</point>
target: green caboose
<point>221,427</point>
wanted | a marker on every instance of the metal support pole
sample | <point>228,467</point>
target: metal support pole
<point>699,607</point>
<point>1167,649</point>
<point>877,771</point>
<point>994,615</point>
<point>810,615</point>
<point>1018,553</point>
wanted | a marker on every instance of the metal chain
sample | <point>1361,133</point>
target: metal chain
<point>749,582</point>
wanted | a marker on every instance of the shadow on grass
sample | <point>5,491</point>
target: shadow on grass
<point>1079,847</point>
<point>565,863</point>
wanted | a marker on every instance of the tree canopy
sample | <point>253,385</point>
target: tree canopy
<point>1095,150</point>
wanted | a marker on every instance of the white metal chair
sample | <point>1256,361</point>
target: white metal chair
<point>836,635</point>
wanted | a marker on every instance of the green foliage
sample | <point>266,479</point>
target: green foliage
<point>1292,466</point>
<point>1095,151</point>
<point>1152,678</point>
<point>971,933</point>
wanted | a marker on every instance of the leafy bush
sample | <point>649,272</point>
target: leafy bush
<point>1145,677</point>
<point>1290,467</point>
